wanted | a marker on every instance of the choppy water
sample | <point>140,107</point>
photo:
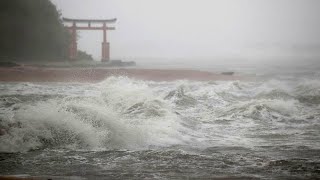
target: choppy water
<point>126,128</point>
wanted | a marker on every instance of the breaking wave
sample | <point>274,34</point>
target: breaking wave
<point>123,113</point>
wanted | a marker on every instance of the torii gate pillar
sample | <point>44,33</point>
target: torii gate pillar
<point>105,46</point>
<point>73,47</point>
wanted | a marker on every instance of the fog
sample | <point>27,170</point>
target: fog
<point>189,29</point>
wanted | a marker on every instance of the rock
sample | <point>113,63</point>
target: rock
<point>8,64</point>
<point>228,73</point>
<point>3,132</point>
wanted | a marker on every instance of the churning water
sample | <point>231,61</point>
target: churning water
<point>127,128</point>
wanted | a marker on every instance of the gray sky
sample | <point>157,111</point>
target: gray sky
<point>200,28</point>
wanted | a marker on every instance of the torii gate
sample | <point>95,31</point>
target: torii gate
<point>73,30</point>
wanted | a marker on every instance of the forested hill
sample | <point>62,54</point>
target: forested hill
<point>31,30</point>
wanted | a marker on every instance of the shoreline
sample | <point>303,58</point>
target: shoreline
<point>93,75</point>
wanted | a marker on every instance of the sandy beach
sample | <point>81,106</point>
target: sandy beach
<point>36,74</point>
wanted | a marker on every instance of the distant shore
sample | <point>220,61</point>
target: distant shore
<point>91,75</point>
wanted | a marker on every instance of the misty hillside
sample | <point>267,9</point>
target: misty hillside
<point>31,30</point>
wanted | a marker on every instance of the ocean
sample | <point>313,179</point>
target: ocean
<point>124,128</point>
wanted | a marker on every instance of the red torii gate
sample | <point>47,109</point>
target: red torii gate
<point>73,30</point>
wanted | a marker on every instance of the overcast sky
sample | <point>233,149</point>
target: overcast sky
<point>199,28</point>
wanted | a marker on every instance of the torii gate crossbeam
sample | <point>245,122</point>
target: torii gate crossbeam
<point>73,30</point>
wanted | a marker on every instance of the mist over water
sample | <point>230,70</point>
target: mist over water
<point>205,28</point>
<point>260,66</point>
<point>128,128</point>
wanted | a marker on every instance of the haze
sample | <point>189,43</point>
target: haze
<point>201,28</point>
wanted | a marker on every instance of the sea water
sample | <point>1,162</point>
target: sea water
<point>124,128</point>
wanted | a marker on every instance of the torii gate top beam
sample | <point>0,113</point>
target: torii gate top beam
<point>90,20</point>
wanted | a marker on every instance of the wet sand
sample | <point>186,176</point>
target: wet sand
<point>35,74</point>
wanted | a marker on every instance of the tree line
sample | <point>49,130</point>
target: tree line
<point>32,30</point>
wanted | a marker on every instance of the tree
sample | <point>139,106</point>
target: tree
<point>82,55</point>
<point>31,30</point>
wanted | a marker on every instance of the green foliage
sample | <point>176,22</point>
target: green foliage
<point>31,30</point>
<point>82,55</point>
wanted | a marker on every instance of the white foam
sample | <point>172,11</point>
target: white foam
<point>125,113</point>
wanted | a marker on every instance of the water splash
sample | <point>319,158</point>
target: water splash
<point>123,113</point>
